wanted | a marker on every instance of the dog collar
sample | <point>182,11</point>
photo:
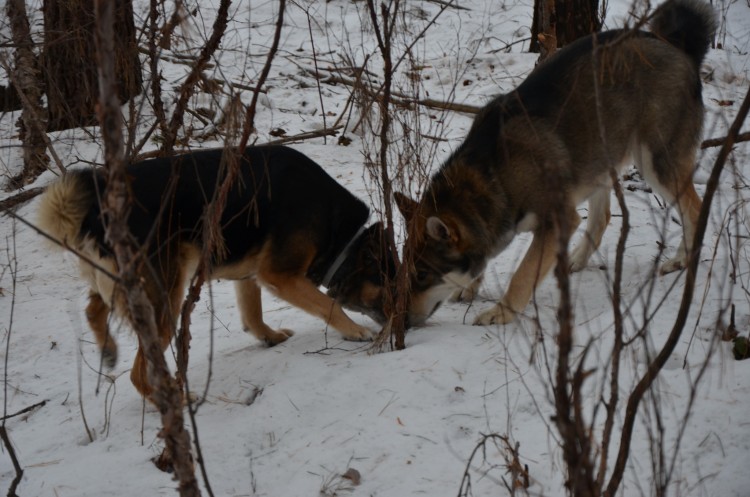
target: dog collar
<point>341,258</point>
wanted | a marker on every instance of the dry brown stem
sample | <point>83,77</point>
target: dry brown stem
<point>167,396</point>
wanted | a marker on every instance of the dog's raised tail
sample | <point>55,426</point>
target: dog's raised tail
<point>64,206</point>
<point>687,24</point>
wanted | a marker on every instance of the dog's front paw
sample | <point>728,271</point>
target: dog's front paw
<point>275,337</point>
<point>499,314</point>
<point>579,258</point>
<point>360,334</point>
<point>672,265</point>
<point>577,264</point>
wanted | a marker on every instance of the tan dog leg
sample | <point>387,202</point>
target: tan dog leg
<point>689,206</point>
<point>599,216</point>
<point>251,312</point>
<point>302,293</point>
<point>97,314</point>
<point>676,188</point>
<point>539,259</point>
<point>165,328</point>
<point>166,299</point>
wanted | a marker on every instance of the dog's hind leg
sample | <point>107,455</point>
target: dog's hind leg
<point>251,312</point>
<point>139,373</point>
<point>598,220</point>
<point>164,284</point>
<point>97,314</point>
<point>672,178</point>
<point>301,292</point>
<point>689,206</point>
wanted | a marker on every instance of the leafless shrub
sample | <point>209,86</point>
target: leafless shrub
<point>578,436</point>
<point>12,269</point>
<point>514,475</point>
<point>400,138</point>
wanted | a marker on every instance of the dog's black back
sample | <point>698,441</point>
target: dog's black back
<point>278,194</point>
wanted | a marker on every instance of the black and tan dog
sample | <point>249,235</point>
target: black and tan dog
<point>534,154</point>
<point>287,226</point>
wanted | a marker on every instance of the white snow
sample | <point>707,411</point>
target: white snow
<point>290,420</point>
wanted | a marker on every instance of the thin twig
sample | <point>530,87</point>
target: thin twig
<point>307,135</point>
<point>79,382</point>
<point>13,267</point>
<point>717,142</point>
<point>397,98</point>
<point>14,459</point>
<point>450,4</point>
<point>315,62</point>
<point>25,410</point>
<point>617,347</point>
<point>154,56</point>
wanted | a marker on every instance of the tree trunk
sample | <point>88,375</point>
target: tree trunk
<point>9,100</point>
<point>575,19</point>
<point>25,75</point>
<point>69,60</point>
<point>567,19</point>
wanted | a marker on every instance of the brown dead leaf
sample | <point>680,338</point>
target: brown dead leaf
<point>353,476</point>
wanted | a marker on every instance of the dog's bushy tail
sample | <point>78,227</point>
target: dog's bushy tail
<point>689,25</point>
<point>64,206</point>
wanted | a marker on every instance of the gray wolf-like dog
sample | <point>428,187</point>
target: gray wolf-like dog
<point>534,154</point>
<point>287,226</point>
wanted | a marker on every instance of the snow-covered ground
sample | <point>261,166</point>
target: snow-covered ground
<point>290,420</point>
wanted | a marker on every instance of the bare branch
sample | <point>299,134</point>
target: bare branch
<point>166,395</point>
<point>188,87</point>
<point>14,459</point>
<point>656,365</point>
<point>25,410</point>
<point>717,142</point>
<point>13,265</point>
<point>20,198</point>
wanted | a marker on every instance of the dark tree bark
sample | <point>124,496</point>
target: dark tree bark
<point>69,60</point>
<point>563,20</point>
<point>9,100</point>
<point>25,74</point>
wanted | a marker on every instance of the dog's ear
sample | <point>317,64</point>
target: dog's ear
<point>406,205</point>
<point>440,231</point>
